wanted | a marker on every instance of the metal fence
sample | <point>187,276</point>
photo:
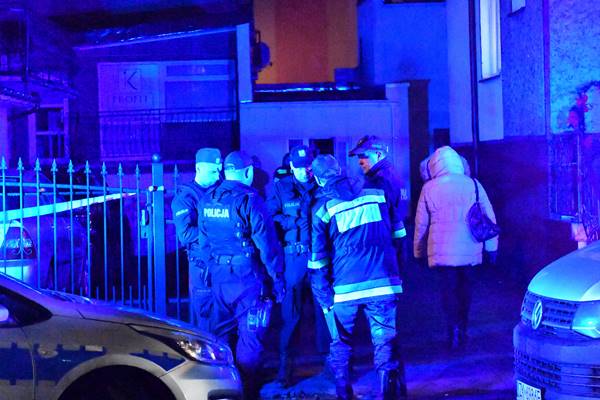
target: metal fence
<point>99,232</point>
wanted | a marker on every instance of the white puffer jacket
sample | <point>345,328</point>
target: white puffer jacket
<point>441,230</point>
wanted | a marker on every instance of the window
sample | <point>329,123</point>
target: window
<point>323,146</point>
<point>489,31</point>
<point>50,134</point>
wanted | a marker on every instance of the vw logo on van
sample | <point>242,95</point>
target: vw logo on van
<point>536,314</point>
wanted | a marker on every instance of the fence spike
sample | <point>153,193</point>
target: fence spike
<point>38,166</point>
<point>137,170</point>
<point>87,169</point>
<point>54,168</point>
<point>3,163</point>
<point>20,165</point>
<point>70,168</point>
<point>103,171</point>
<point>175,172</point>
<point>120,170</point>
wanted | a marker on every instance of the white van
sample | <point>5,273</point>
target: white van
<point>557,342</point>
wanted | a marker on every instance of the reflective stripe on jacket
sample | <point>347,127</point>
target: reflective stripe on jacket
<point>352,235</point>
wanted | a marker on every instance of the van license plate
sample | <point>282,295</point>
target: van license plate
<point>528,392</point>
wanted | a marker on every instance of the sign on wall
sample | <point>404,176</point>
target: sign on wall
<point>129,86</point>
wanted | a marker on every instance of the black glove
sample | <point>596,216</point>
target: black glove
<point>491,257</point>
<point>422,262</point>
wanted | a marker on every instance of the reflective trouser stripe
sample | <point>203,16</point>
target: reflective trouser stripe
<point>361,294</point>
<point>318,264</point>
<point>400,233</point>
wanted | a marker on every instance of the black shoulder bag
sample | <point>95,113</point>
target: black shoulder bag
<point>481,226</point>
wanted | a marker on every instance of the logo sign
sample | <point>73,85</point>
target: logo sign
<point>536,314</point>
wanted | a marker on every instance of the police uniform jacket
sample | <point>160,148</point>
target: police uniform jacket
<point>185,215</point>
<point>352,237</point>
<point>383,176</point>
<point>236,233</point>
<point>290,207</point>
<point>441,230</point>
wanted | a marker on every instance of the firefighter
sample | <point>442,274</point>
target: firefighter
<point>185,215</point>
<point>290,207</point>
<point>354,267</point>
<point>239,241</point>
<point>379,173</point>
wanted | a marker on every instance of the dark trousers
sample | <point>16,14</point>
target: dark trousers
<point>229,322</point>
<point>381,315</point>
<point>299,295</point>
<point>455,289</point>
<point>200,294</point>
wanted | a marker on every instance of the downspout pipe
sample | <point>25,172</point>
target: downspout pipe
<point>474,86</point>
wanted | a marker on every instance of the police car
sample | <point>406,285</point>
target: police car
<point>557,342</point>
<point>60,346</point>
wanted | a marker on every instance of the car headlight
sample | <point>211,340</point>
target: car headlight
<point>192,347</point>
<point>587,319</point>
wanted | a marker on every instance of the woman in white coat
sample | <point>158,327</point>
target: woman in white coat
<point>442,235</point>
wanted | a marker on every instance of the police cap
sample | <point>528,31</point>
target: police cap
<point>368,142</point>
<point>208,155</point>
<point>325,166</point>
<point>301,156</point>
<point>237,160</point>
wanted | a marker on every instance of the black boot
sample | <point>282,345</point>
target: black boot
<point>392,385</point>
<point>343,387</point>
<point>284,375</point>
<point>251,382</point>
<point>344,392</point>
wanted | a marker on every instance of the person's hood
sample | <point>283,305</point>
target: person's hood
<point>342,187</point>
<point>444,161</point>
<point>426,174</point>
<point>574,277</point>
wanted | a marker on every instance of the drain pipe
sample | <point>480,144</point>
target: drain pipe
<point>474,86</point>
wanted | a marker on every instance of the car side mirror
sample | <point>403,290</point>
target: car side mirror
<point>4,314</point>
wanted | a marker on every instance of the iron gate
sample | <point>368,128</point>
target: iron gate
<point>95,232</point>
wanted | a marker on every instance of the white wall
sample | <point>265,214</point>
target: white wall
<point>403,42</point>
<point>266,128</point>
<point>491,126</point>
<point>459,93</point>
<point>491,114</point>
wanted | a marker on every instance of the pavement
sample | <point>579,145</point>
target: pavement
<point>483,369</point>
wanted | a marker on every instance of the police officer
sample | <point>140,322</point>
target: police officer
<point>353,266</point>
<point>239,240</point>
<point>283,170</point>
<point>185,215</point>
<point>290,208</point>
